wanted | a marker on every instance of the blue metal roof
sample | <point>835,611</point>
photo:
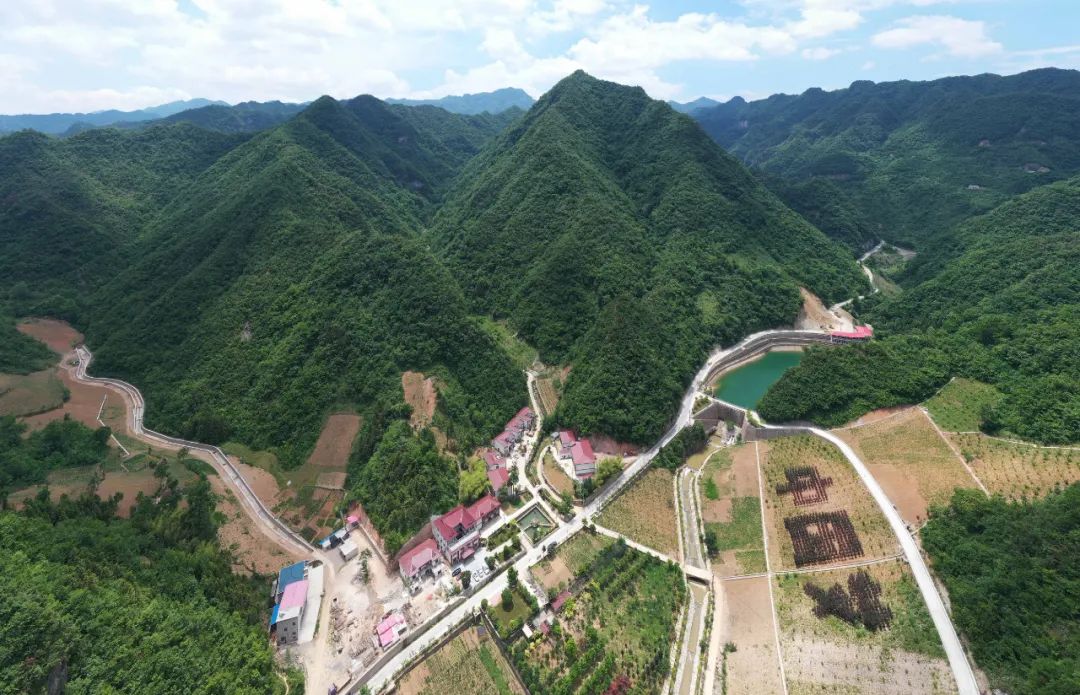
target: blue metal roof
<point>273,614</point>
<point>290,574</point>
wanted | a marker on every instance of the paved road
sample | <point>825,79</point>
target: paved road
<point>694,553</point>
<point>273,527</point>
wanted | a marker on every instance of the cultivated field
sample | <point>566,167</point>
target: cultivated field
<point>1017,470</point>
<point>818,512</point>
<point>556,476</point>
<point>958,406</point>
<point>885,644</point>
<point>571,559</point>
<point>549,384</point>
<point>645,512</point>
<point>28,394</point>
<point>753,668</point>
<point>731,510</point>
<point>911,462</point>
<point>620,626</point>
<point>469,663</point>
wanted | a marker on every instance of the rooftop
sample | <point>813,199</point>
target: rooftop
<point>567,438</point>
<point>498,477</point>
<point>294,596</point>
<point>582,453</point>
<point>484,506</point>
<point>859,332</point>
<point>290,574</point>
<point>493,459</point>
<point>411,562</point>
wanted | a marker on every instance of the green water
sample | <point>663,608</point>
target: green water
<point>746,385</point>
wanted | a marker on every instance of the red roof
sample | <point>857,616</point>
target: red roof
<point>582,453</point>
<point>525,412</point>
<point>447,524</point>
<point>493,459</point>
<point>567,438</point>
<point>412,561</point>
<point>506,438</point>
<point>557,604</point>
<point>498,477</point>
<point>858,333</point>
<point>484,506</point>
<point>295,594</point>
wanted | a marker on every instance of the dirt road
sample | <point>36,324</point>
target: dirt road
<point>693,553</point>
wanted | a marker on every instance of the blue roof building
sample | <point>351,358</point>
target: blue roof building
<point>288,575</point>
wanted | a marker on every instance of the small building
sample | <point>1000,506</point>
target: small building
<point>422,558</point>
<point>583,458</point>
<point>493,460</point>
<point>389,630</point>
<point>499,478</point>
<point>457,532</point>
<point>860,334</point>
<point>348,550</point>
<point>505,442</point>
<point>289,613</point>
<point>560,601</point>
<point>289,575</point>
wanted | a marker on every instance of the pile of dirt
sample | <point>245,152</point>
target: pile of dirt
<point>814,316</point>
<point>421,395</point>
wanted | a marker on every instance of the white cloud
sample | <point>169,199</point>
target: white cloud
<point>959,37</point>
<point>819,53</point>
<point>869,65</point>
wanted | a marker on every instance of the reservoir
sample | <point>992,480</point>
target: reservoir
<point>744,386</point>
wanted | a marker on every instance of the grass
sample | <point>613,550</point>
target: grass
<point>581,550</point>
<point>744,529</point>
<point>711,489</point>
<point>521,353</point>
<point>959,405</point>
<point>1018,470</point>
<point>494,670</point>
<point>260,459</point>
<point>30,394</point>
<point>469,663</point>
<point>519,610</point>
<point>645,512</point>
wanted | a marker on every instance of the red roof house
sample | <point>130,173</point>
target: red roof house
<point>420,558</point>
<point>493,459</point>
<point>458,531</point>
<point>584,458</point>
<point>498,477</point>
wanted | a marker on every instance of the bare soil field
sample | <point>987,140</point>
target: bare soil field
<point>83,405</point>
<point>571,558</point>
<point>421,394</point>
<point>645,512</point>
<point>815,316</point>
<point>911,461</point>
<point>74,481</point>
<point>28,394</point>
<point>838,494</point>
<point>556,476</point>
<point>469,663</point>
<point>335,441</point>
<point>747,623</point>
<point>1017,470</point>
<point>57,335</point>
<point>829,655</point>
<point>549,385</point>
<point>250,548</point>
<point>875,416</point>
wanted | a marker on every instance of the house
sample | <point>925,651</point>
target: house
<point>560,600</point>
<point>859,334</point>
<point>390,629</point>
<point>584,459</point>
<point>505,442</point>
<point>523,421</point>
<point>457,532</point>
<point>289,575</point>
<point>493,460</point>
<point>565,441</point>
<point>498,477</point>
<point>288,614</point>
<point>422,558</point>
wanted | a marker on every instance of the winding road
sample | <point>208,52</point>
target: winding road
<point>273,527</point>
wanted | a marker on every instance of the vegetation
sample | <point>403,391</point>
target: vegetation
<point>20,354</point>
<point>620,626</point>
<point>741,534</point>
<point>404,483</point>
<point>1000,305</point>
<point>960,404</point>
<point>85,593</point>
<point>645,512</point>
<point>687,442</point>
<point>60,444</point>
<point>657,250</point>
<point>902,158</point>
<point>1018,557</point>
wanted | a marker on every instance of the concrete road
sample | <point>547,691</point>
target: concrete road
<point>691,523</point>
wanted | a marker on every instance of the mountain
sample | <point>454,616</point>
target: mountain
<point>470,104</point>
<point>1001,304</point>
<point>246,117</point>
<point>699,103</point>
<point>57,123</point>
<point>615,236</point>
<point>907,161</point>
<point>289,278</point>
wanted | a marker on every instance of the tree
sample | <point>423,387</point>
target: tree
<point>466,579</point>
<point>512,577</point>
<point>507,600</point>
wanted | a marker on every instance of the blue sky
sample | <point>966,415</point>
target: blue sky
<point>84,55</point>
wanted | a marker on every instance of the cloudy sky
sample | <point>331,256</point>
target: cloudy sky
<point>85,55</point>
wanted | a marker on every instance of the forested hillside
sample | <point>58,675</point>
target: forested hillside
<point>615,236</point>
<point>1014,586</point>
<point>906,161</point>
<point>1001,305</point>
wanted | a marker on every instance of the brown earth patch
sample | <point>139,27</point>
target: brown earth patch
<point>602,444</point>
<point>83,405</point>
<point>876,415</point>
<point>645,512</point>
<point>902,490</point>
<point>334,481</point>
<point>814,315</point>
<point>335,441</point>
<point>250,548</point>
<point>59,336</point>
<point>744,469</point>
<point>717,511</point>
<point>421,394</point>
<point>261,482</point>
<point>553,574</point>
<point>754,667</point>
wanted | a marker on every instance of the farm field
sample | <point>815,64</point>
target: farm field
<point>911,462</point>
<point>621,626</point>
<point>1017,470</point>
<point>571,559</point>
<point>556,476</point>
<point>818,512</point>
<point>28,394</point>
<point>469,663</point>
<point>885,643</point>
<point>549,384</point>
<point>753,668</point>
<point>958,406</point>
<point>645,512</point>
<point>731,511</point>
